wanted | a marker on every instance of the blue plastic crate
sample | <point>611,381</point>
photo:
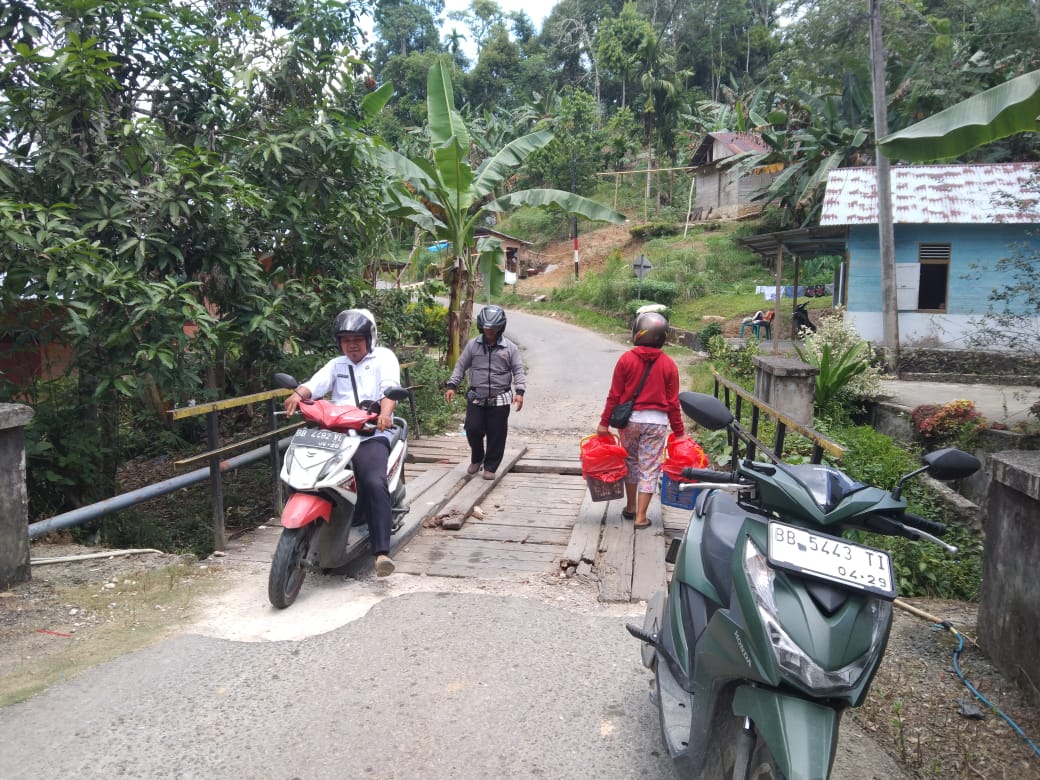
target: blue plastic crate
<point>672,496</point>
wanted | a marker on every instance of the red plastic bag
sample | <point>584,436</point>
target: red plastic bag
<point>603,458</point>
<point>681,454</point>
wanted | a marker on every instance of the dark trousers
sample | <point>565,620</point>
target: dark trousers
<point>370,462</point>
<point>491,422</point>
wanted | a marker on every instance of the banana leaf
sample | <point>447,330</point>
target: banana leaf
<point>1013,107</point>
<point>567,201</point>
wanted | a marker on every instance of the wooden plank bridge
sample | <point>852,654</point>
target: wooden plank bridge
<point>535,518</point>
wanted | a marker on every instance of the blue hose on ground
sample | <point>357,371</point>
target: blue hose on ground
<point>979,696</point>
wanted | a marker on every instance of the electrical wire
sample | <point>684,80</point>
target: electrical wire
<point>957,669</point>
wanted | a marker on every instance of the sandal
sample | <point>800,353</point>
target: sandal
<point>626,515</point>
<point>637,526</point>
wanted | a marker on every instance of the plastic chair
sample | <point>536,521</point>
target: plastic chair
<point>761,325</point>
<point>764,327</point>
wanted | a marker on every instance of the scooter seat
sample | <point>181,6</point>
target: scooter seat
<point>723,519</point>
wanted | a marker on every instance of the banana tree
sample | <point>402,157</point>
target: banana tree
<point>443,195</point>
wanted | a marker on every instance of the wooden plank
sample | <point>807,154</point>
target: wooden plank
<point>425,496</point>
<point>449,567</point>
<point>585,535</point>
<point>507,514</point>
<point>614,564</point>
<point>648,568</point>
<point>227,403</point>
<point>510,533</point>
<point>474,491</point>
<point>567,467</point>
<point>477,553</point>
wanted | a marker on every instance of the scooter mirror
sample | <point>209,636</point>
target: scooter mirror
<point>396,393</point>
<point>286,380</point>
<point>950,463</point>
<point>705,410</point>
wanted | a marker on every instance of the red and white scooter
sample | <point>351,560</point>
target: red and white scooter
<point>321,530</point>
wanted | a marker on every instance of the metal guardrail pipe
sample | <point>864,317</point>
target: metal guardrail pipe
<point>126,500</point>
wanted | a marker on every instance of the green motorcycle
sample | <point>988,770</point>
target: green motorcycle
<point>773,623</point>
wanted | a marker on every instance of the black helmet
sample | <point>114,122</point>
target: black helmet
<point>492,317</point>
<point>351,322</point>
<point>650,330</point>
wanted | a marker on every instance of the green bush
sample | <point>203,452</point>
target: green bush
<point>708,331</point>
<point>845,362</point>
<point>427,378</point>
<point>922,568</point>
<point>736,363</point>
<point>655,230</point>
<point>653,291</point>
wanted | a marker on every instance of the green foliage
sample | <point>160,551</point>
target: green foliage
<point>571,160</point>
<point>427,379</point>
<point>532,224</point>
<point>709,331</point>
<point>736,363</point>
<point>922,569</point>
<point>63,461</point>
<point>844,360</point>
<point>442,194</point>
<point>928,571</point>
<point>654,291</point>
<point>655,230</point>
<point>956,423</point>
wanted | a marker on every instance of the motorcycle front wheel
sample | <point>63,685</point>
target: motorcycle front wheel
<point>289,565</point>
<point>721,756</point>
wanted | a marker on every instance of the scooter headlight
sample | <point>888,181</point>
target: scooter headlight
<point>789,656</point>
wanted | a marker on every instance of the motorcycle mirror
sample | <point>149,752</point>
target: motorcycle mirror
<point>396,393</point>
<point>288,381</point>
<point>950,463</point>
<point>705,410</point>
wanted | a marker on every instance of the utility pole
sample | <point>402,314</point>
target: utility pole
<point>886,235</point>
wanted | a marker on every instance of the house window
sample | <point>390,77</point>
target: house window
<point>935,275</point>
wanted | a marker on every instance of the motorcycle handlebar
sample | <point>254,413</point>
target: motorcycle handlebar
<point>708,475</point>
<point>924,524</point>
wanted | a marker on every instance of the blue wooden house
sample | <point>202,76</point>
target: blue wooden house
<point>952,225</point>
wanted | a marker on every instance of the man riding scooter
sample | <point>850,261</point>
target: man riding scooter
<point>359,377</point>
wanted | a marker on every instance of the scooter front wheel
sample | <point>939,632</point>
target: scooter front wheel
<point>289,565</point>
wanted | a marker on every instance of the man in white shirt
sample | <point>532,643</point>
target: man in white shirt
<point>362,373</point>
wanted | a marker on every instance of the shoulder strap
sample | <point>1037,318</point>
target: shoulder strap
<point>642,381</point>
<point>353,385</point>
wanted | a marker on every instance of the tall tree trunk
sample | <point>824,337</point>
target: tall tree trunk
<point>457,287</point>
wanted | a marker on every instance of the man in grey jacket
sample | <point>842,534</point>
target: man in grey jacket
<point>496,380</point>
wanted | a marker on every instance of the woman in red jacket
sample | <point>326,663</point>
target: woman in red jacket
<point>655,413</point>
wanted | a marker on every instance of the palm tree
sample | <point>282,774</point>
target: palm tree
<point>448,199</point>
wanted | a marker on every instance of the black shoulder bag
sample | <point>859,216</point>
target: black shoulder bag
<point>620,414</point>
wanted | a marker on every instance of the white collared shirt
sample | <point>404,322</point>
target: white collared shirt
<point>377,371</point>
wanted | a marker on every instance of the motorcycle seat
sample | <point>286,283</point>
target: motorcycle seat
<point>723,519</point>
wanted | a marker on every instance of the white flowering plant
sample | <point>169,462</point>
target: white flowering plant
<point>847,371</point>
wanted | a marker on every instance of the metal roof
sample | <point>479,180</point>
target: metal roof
<point>937,194</point>
<point>735,143</point>
<point>802,242</point>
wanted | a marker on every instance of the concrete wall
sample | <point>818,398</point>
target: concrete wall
<point>786,384</point>
<point>14,502</point>
<point>1009,611</point>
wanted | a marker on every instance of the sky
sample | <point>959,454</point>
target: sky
<point>536,9</point>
